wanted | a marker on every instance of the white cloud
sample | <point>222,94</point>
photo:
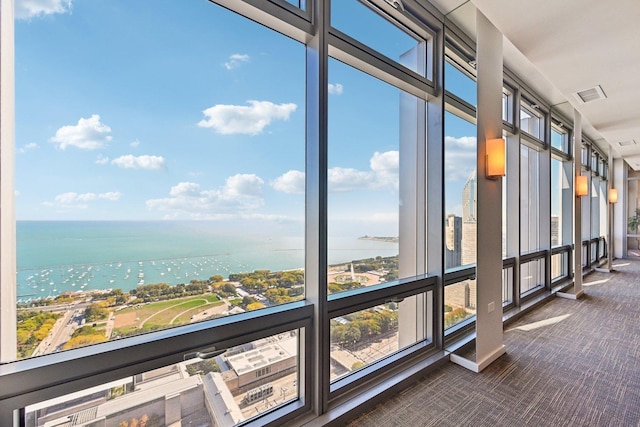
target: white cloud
<point>383,173</point>
<point>185,189</point>
<point>247,120</point>
<point>292,182</point>
<point>335,89</point>
<point>28,147</point>
<point>243,185</point>
<point>348,179</point>
<point>135,144</point>
<point>113,196</point>
<point>26,9</point>
<point>240,194</point>
<point>235,60</point>
<point>80,200</point>
<point>460,157</point>
<point>88,134</point>
<point>146,162</point>
<point>102,160</point>
<point>386,166</point>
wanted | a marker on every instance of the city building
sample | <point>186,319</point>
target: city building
<point>453,241</point>
<point>295,126</point>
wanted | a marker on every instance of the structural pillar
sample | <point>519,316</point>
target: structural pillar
<point>8,295</point>
<point>608,268</point>
<point>577,212</point>
<point>489,333</point>
<point>618,175</point>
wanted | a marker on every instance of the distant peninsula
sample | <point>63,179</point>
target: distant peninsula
<point>380,238</point>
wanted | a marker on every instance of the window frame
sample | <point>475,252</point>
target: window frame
<point>361,57</point>
<point>37,379</point>
<point>360,299</point>
<point>33,380</point>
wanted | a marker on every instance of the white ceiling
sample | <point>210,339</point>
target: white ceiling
<point>560,47</point>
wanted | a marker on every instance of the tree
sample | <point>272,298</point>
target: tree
<point>352,334</point>
<point>255,306</point>
<point>247,299</point>
<point>634,223</point>
<point>357,365</point>
<point>95,312</point>
<point>216,278</point>
<point>83,340</point>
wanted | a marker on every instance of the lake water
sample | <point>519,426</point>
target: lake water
<point>58,256</point>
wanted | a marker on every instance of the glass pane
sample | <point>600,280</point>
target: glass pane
<point>531,121</point>
<point>507,285</point>
<point>531,275</point>
<point>174,169</point>
<point>379,33</point>
<point>240,384</point>
<point>302,4</point>
<point>529,199</point>
<point>557,181</point>
<point>597,196</point>
<point>460,84</point>
<point>594,162</point>
<point>507,112</point>
<point>559,265</point>
<point>367,336</point>
<point>459,302</point>
<point>460,191</point>
<point>559,140</point>
<point>367,142</point>
<point>586,212</point>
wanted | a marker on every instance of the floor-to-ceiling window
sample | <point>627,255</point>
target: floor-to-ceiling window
<point>561,201</point>
<point>158,168</point>
<point>229,190</point>
<point>379,77</point>
<point>460,185</point>
<point>533,170</point>
<point>270,204</point>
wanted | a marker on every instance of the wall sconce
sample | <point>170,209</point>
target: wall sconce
<point>582,186</point>
<point>495,163</point>
<point>613,195</point>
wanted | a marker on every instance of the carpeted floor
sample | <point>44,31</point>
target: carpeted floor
<point>568,363</point>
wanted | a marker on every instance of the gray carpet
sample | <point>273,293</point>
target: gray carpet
<point>580,366</point>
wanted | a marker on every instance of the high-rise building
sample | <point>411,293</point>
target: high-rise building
<point>469,220</point>
<point>469,234</point>
<point>555,230</point>
<point>453,241</point>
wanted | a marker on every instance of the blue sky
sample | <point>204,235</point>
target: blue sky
<point>140,110</point>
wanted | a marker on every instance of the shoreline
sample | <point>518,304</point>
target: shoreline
<point>387,239</point>
<point>81,292</point>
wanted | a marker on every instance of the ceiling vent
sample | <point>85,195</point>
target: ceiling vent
<point>627,143</point>
<point>591,94</point>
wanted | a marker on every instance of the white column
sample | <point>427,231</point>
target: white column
<point>8,340</point>
<point>619,177</point>
<point>577,211</point>
<point>489,344</point>
<point>608,267</point>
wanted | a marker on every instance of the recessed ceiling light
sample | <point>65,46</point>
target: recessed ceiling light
<point>591,94</point>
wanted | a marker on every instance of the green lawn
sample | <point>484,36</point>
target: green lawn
<point>160,314</point>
